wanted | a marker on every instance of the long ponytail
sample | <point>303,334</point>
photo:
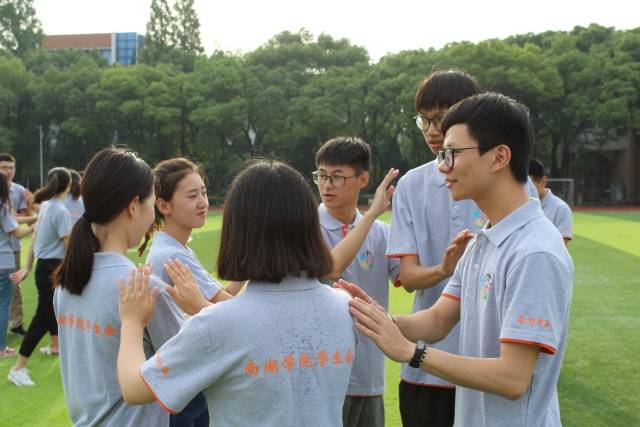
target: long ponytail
<point>57,181</point>
<point>113,178</point>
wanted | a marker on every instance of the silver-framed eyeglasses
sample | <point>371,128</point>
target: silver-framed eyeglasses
<point>424,123</point>
<point>336,181</point>
<point>448,155</point>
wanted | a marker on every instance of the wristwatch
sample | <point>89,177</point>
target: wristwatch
<point>419,355</point>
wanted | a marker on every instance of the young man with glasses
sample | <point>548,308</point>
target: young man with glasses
<point>510,292</point>
<point>343,170</point>
<point>428,237</point>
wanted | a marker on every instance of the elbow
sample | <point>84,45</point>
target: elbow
<point>515,390</point>
<point>333,275</point>
<point>406,282</point>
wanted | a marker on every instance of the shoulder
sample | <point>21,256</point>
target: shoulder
<point>418,174</point>
<point>542,238</point>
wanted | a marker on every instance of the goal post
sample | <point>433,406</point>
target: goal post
<point>563,188</point>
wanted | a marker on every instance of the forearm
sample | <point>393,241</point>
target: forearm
<point>415,277</point>
<point>26,219</point>
<point>130,359</point>
<point>345,251</point>
<point>491,375</point>
<point>424,325</point>
<point>234,287</point>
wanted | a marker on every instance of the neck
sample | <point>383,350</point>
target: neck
<point>344,214</point>
<point>178,232</point>
<point>61,196</point>
<point>112,238</point>
<point>502,199</point>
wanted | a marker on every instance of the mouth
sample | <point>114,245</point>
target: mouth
<point>449,182</point>
<point>435,146</point>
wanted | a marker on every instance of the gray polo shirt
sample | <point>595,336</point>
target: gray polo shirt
<point>89,331</point>
<point>514,284</point>
<point>278,355</point>
<point>75,207</point>
<point>559,213</point>
<point>371,270</point>
<point>165,247</point>
<point>424,221</point>
<point>54,223</point>
<point>18,202</point>
<point>8,224</point>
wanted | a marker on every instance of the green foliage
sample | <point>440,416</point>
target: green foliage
<point>288,96</point>
<point>20,29</point>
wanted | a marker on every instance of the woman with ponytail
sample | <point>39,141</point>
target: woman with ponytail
<point>48,245</point>
<point>74,200</point>
<point>118,194</point>
<point>8,229</point>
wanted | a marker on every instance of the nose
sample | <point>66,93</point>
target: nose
<point>442,167</point>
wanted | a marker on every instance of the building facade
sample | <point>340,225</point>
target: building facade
<point>116,48</point>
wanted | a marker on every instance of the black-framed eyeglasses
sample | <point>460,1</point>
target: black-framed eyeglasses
<point>448,155</point>
<point>424,123</point>
<point>336,181</point>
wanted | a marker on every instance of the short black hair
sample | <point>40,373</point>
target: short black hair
<point>444,88</point>
<point>345,150</point>
<point>494,119</point>
<point>270,226</point>
<point>536,169</point>
<point>6,157</point>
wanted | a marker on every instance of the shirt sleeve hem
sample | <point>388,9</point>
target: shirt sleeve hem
<point>155,396</point>
<point>451,296</point>
<point>544,348</point>
<point>400,255</point>
<point>215,294</point>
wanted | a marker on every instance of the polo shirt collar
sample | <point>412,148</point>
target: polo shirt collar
<point>438,176</point>
<point>287,284</point>
<point>110,259</point>
<point>330,223</point>
<point>515,220</point>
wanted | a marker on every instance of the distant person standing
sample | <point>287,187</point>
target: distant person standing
<point>73,202</point>
<point>554,208</point>
<point>20,210</point>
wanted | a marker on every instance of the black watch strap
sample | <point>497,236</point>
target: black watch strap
<point>418,355</point>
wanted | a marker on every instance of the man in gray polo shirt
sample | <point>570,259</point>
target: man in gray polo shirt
<point>510,291</point>
<point>558,212</point>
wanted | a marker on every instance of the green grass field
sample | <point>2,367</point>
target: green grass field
<point>599,383</point>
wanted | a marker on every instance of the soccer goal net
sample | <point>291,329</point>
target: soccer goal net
<point>563,188</point>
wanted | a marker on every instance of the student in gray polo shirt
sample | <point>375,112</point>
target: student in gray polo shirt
<point>556,209</point>
<point>182,205</point>
<point>427,235</point>
<point>118,194</point>
<point>511,290</point>
<point>278,355</point>
<point>343,170</point>
<point>48,246</point>
<point>20,210</point>
<point>8,230</point>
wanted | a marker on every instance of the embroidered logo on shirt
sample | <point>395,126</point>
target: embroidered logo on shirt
<point>366,260</point>
<point>479,219</point>
<point>486,285</point>
<point>289,362</point>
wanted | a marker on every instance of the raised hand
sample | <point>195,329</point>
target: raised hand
<point>185,290</point>
<point>136,301</point>
<point>382,197</point>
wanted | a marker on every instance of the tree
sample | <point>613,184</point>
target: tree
<point>158,41</point>
<point>186,33</point>
<point>20,29</point>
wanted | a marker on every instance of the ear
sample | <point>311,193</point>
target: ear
<point>543,181</point>
<point>163,206</point>
<point>501,158</point>
<point>133,206</point>
<point>363,179</point>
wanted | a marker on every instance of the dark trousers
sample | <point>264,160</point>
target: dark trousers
<point>195,414</point>
<point>423,406</point>
<point>44,320</point>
